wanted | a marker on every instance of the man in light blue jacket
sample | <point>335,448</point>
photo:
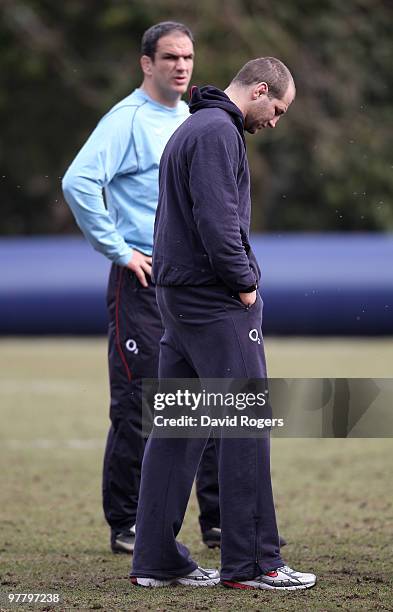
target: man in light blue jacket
<point>112,190</point>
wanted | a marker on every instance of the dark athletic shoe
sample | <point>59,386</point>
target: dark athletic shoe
<point>212,538</point>
<point>199,578</point>
<point>123,541</point>
<point>282,579</point>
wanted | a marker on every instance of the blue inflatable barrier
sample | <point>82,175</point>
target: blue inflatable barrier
<point>312,284</point>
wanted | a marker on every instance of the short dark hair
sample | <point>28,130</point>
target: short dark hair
<point>153,34</point>
<point>268,69</point>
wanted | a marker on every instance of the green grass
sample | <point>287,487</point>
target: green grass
<point>333,497</point>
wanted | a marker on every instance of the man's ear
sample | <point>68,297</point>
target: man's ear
<point>259,90</point>
<point>146,63</point>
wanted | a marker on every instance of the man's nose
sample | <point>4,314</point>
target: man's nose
<point>273,122</point>
<point>181,64</point>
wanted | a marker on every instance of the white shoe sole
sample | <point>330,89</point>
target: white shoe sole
<point>198,583</point>
<point>150,582</point>
<point>250,584</point>
<point>155,583</point>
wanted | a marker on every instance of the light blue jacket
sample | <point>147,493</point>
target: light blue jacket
<point>122,158</point>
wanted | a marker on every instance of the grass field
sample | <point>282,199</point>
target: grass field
<point>333,497</point>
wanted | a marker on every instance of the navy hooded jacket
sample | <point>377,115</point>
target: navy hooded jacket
<point>201,232</point>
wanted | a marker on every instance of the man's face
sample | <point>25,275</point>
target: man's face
<point>171,70</point>
<point>266,112</point>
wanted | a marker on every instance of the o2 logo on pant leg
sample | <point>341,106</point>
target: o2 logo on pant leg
<point>254,336</point>
<point>132,346</point>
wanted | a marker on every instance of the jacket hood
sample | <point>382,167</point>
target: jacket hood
<point>211,97</point>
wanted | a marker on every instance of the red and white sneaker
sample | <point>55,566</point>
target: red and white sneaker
<point>282,579</point>
<point>199,577</point>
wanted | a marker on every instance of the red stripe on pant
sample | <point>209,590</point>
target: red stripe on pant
<point>118,344</point>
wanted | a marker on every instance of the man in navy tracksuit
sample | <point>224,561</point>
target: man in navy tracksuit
<point>206,277</point>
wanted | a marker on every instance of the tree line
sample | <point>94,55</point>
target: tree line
<point>328,166</point>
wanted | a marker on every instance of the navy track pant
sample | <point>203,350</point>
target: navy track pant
<point>208,334</point>
<point>135,330</point>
